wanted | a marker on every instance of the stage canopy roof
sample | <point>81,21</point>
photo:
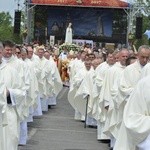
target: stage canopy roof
<point>84,3</point>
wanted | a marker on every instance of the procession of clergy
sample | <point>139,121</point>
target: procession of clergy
<point>114,95</point>
<point>28,84</point>
<point>109,90</point>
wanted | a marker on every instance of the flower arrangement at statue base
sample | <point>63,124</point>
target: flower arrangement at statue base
<point>69,47</point>
<point>64,70</point>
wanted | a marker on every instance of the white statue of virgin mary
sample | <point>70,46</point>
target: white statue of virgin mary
<point>68,38</point>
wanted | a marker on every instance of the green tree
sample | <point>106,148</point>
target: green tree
<point>144,9</point>
<point>6,28</point>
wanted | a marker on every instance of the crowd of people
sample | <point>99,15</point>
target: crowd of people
<point>109,93</point>
<point>108,89</point>
<point>29,84</point>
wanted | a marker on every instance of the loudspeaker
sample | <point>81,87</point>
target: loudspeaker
<point>139,24</point>
<point>17,22</point>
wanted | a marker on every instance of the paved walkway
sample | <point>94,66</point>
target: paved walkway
<point>57,130</point>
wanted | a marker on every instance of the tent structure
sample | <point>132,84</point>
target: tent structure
<point>84,3</point>
<point>101,19</point>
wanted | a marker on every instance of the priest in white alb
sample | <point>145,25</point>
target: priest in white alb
<point>77,73</point>
<point>100,75</point>
<point>136,119</point>
<point>53,79</point>
<point>108,115</point>
<point>16,98</point>
<point>130,77</point>
<point>84,95</point>
<point>36,66</point>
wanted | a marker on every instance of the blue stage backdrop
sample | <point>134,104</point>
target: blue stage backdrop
<point>85,21</point>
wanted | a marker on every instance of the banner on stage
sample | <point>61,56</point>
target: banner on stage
<point>83,42</point>
<point>83,3</point>
<point>52,40</point>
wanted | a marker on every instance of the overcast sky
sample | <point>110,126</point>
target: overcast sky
<point>10,6</point>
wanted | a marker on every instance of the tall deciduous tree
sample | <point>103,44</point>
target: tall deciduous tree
<point>143,6</point>
<point>6,28</point>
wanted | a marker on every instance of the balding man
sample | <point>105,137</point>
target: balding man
<point>106,98</point>
<point>130,77</point>
<point>135,129</point>
<point>36,66</point>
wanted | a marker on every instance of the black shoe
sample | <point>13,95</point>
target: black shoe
<point>49,107</point>
<point>65,85</point>
<point>105,141</point>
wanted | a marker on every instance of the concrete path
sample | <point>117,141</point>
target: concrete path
<point>57,130</point>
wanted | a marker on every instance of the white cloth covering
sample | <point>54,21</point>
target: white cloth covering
<point>44,104</point>
<point>75,84</point>
<point>108,116</point>
<point>37,70</point>
<point>91,121</point>
<point>23,133</point>
<point>99,78</point>
<point>129,78</point>
<point>30,117</point>
<point>23,73</point>
<point>38,109</point>
<point>84,94</point>
<point>77,74</point>
<point>33,89</point>
<point>145,145</point>
<point>136,119</point>
<point>52,100</point>
<point>100,75</point>
<point>56,79</point>
<point>3,118</point>
<point>15,113</point>
<point>146,70</point>
<point>84,97</point>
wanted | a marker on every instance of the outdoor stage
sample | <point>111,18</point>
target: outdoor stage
<point>92,20</point>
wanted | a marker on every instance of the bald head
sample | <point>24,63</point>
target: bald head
<point>24,53</point>
<point>143,54</point>
<point>123,55</point>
